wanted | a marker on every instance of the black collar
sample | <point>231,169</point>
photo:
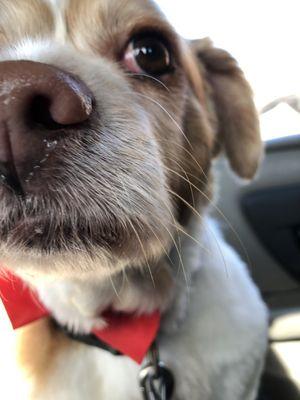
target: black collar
<point>90,339</point>
<point>153,372</point>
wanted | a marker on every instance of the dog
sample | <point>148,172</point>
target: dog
<point>109,126</point>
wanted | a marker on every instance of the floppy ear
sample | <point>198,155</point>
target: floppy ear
<point>232,102</point>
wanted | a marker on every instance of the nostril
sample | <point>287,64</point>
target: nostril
<point>59,111</point>
<point>39,114</point>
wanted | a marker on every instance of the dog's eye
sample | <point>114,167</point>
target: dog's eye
<point>149,55</point>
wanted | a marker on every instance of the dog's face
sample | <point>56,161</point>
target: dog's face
<point>108,125</point>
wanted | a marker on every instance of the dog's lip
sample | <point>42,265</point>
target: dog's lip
<point>10,179</point>
<point>44,233</point>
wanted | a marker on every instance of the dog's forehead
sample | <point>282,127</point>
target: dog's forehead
<point>97,23</point>
<point>22,18</point>
<point>80,20</point>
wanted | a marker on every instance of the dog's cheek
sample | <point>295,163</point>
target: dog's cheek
<point>187,141</point>
<point>165,108</point>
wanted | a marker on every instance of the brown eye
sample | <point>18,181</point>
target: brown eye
<point>149,55</point>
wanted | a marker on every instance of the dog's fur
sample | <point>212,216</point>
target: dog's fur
<point>120,219</point>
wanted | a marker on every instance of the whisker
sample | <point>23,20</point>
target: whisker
<point>169,115</point>
<point>157,238</point>
<point>144,252</point>
<point>202,219</point>
<point>124,277</point>
<point>175,244</point>
<point>182,230</point>
<point>179,128</point>
<point>219,211</point>
<point>138,238</point>
<point>182,168</point>
<point>114,287</point>
<point>189,182</point>
<point>150,77</point>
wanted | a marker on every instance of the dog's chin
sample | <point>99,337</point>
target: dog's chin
<point>75,253</point>
<point>44,235</point>
<point>46,243</point>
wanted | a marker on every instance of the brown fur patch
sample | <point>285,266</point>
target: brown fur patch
<point>39,346</point>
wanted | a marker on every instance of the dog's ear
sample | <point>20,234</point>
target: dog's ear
<point>231,98</point>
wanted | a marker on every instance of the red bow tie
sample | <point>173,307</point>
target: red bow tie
<point>131,335</point>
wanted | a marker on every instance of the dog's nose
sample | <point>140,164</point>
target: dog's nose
<point>66,100</point>
<point>38,103</point>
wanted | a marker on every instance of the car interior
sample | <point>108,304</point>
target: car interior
<point>262,223</point>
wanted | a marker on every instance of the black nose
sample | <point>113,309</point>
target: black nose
<point>37,103</point>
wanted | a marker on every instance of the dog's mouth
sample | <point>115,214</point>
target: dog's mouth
<point>33,222</point>
<point>38,212</point>
<point>46,235</point>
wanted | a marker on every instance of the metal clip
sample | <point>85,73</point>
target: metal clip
<point>156,380</point>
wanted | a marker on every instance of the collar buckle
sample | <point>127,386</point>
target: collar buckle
<point>156,380</point>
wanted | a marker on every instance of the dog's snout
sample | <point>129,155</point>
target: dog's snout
<point>37,102</point>
<point>22,83</point>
